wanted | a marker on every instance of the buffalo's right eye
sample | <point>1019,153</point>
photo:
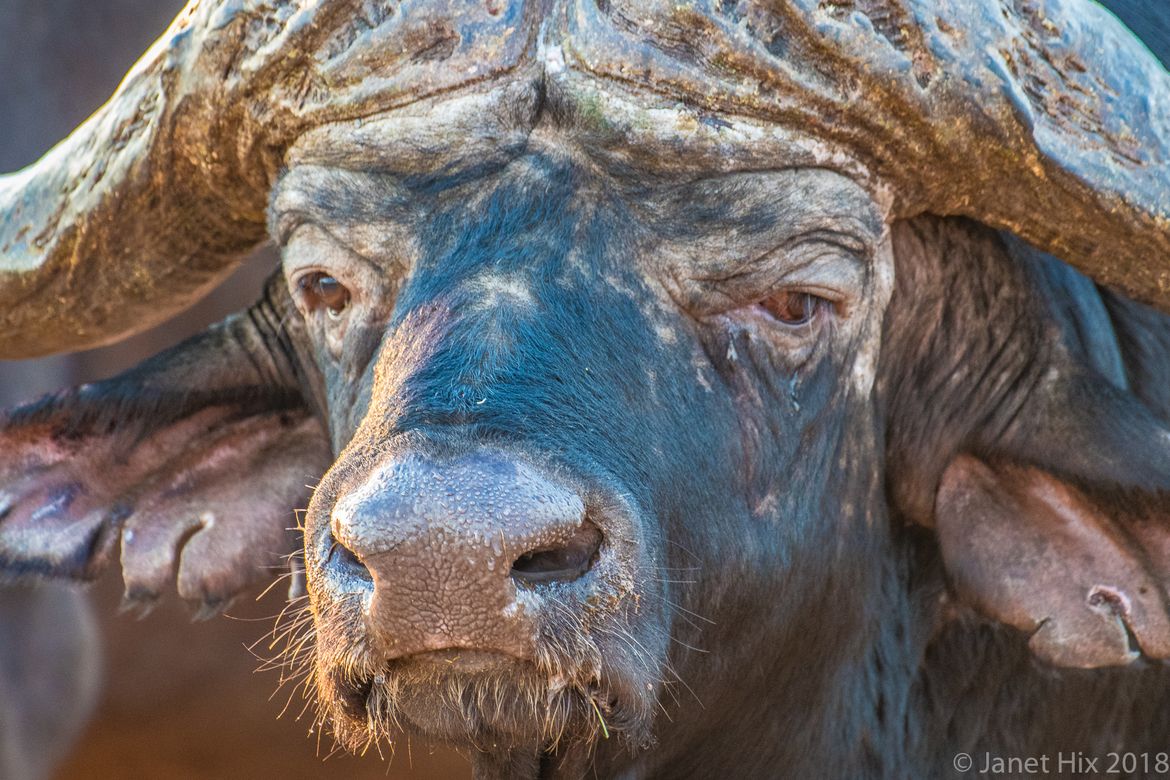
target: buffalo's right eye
<point>794,307</point>
<point>323,291</point>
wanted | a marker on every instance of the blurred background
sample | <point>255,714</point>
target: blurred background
<point>179,699</point>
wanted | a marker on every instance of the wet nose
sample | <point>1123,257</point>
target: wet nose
<point>459,551</point>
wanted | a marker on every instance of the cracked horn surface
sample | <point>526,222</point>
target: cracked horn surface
<point>1044,117</point>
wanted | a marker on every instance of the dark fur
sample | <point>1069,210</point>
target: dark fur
<point>791,612</point>
<point>819,645</point>
<point>795,616</point>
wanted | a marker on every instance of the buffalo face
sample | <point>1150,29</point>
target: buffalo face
<point>583,404</point>
<point>580,319</point>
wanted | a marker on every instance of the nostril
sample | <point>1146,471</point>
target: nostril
<point>562,563</point>
<point>345,561</point>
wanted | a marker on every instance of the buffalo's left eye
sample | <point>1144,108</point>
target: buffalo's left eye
<point>795,308</point>
<point>322,291</point>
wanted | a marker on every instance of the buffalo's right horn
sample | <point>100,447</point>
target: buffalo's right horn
<point>157,196</point>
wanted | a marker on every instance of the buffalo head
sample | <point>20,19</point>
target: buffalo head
<point>680,384</point>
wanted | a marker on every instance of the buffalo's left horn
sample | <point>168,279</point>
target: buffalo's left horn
<point>1047,118</point>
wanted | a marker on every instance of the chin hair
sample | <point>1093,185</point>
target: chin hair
<point>589,679</point>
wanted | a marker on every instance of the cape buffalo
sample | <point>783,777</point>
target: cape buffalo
<point>682,385</point>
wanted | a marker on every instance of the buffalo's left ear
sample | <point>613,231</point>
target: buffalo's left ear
<point>192,463</point>
<point>1062,529</point>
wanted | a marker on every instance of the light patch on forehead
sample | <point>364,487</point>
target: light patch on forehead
<point>497,290</point>
<point>551,55</point>
<point>665,334</point>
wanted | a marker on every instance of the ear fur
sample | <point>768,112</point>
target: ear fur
<point>1061,528</point>
<point>1049,486</point>
<point>191,464</point>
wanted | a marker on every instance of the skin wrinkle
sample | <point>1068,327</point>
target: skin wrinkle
<point>754,372</point>
<point>768,573</point>
<point>412,398</point>
<point>220,96</point>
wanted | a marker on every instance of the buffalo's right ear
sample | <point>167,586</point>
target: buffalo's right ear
<point>1062,529</point>
<point>193,462</point>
